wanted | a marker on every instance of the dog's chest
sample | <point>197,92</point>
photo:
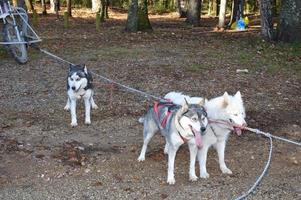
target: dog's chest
<point>79,94</point>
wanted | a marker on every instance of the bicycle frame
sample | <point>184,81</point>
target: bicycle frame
<point>8,13</point>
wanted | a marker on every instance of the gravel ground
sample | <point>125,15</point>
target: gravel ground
<point>42,157</point>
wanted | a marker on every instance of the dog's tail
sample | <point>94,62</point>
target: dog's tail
<point>141,120</point>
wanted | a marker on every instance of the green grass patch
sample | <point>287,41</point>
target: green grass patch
<point>196,67</point>
<point>3,52</point>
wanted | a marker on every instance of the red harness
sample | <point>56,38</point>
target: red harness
<point>160,105</point>
<point>157,107</point>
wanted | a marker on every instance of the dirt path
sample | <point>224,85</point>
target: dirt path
<point>42,157</point>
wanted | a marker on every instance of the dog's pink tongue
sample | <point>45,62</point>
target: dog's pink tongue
<point>237,130</point>
<point>198,139</point>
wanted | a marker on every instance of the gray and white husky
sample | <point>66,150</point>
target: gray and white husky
<point>226,113</point>
<point>185,123</point>
<point>79,86</point>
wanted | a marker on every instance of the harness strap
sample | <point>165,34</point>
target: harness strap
<point>162,123</point>
<point>185,140</point>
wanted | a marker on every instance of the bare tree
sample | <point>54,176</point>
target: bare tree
<point>137,19</point>
<point>194,12</point>
<point>222,14</point>
<point>44,11</point>
<point>69,7</point>
<point>290,21</point>
<point>29,5</point>
<point>267,30</point>
<point>182,8</point>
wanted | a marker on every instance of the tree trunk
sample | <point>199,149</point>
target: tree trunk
<point>96,5</point>
<point>137,19</point>
<point>290,21</point>
<point>222,14</point>
<point>266,20</point>
<point>69,8</point>
<point>29,5</point>
<point>193,13</point>
<point>210,5</point>
<point>181,7</point>
<point>106,8</point>
<point>102,10</point>
<point>217,7</point>
<point>55,7</point>
<point>44,11</point>
<point>237,11</point>
<point>214,7</point>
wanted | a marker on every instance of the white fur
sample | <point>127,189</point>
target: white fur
<point>79,93</point>
<point>173,144</point>
<point>225,107</point>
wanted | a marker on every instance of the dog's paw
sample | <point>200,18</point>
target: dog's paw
<point>141,159</point>
<point>226,170</point>
<point>67,107</point>
<point>204,175</point>
<point>193,178</point>
<point>94,106</point>
<point>171,181</point>
<point>73,124</point>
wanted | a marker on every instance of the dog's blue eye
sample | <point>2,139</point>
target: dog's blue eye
<point>71,79</point>
<point>77,79</point>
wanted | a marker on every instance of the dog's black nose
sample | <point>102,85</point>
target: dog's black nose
<point>203,129</point>
<point>73,88</point>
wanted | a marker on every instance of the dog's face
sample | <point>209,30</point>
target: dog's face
<point>193,120</point>
<point>77,77</point>
<point>202,114</point>
<point>235,110</point>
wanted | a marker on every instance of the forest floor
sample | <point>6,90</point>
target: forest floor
<point>42,157</point>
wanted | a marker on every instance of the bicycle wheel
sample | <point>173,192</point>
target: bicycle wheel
<point>18,51</point>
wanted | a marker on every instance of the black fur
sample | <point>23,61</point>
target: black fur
<point>80,71</point>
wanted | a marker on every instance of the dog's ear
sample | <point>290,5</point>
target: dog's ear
<point>85,69</point>
<point>184,106</point>
<point>202,102</point>
<point>206,100</point>
<point>226,100</point>
<point>238,95</point>
<point>70,67</point>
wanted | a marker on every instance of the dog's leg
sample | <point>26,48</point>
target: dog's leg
<point>73,112</point>
<point>148,134</point>
<point>220,148</point>
<point>202,157</point>
<point>67,107</point>
<point>193,152</point>
<point>93,104</point>
<point>172,150</point>
<point>87,111</point>
<point>166,147</point>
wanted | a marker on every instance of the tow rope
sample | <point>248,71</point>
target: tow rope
<point>267,165</point>
<point>149,97</point>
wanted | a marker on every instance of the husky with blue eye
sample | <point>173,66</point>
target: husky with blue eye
<point>179,125</point>
<point>79,86</point>
<point>226,113</point>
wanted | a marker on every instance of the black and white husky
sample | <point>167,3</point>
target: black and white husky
<point>79,86</point>
<point>178,124</point>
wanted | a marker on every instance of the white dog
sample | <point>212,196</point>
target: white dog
<point>79,86</point>
<point>225,113</point>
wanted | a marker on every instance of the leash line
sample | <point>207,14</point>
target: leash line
<point>127,88</point>
<point>264,172</point>
<point>267,165</point>
<point>149,96</point>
